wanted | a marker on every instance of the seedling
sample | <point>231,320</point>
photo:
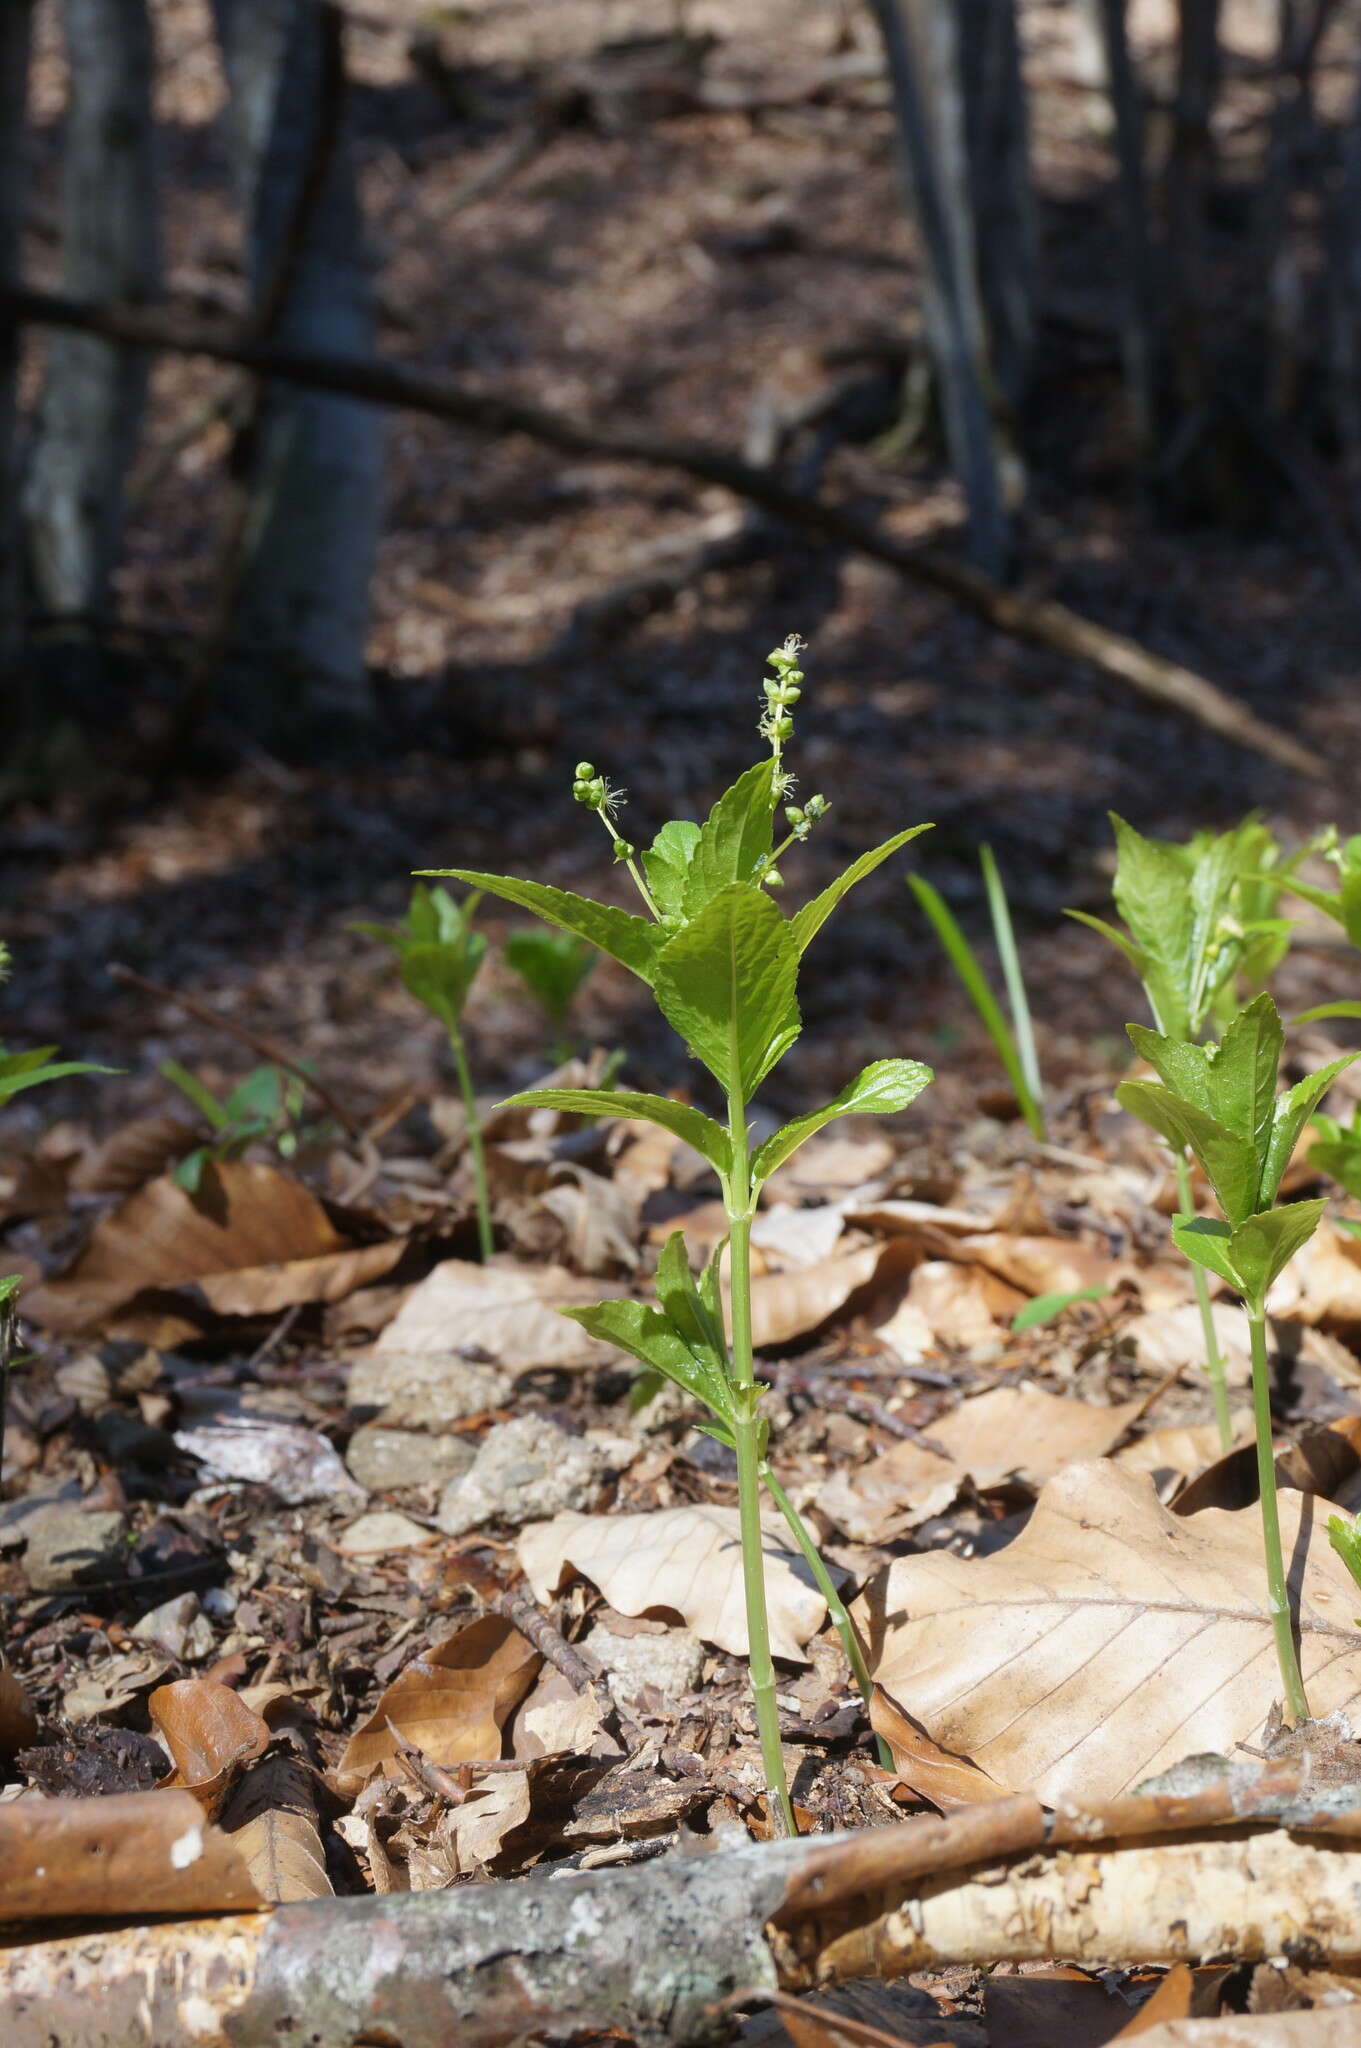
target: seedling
<point>1047,1308</point>
<point>722,962</point>
<point>266,1107</point>
<point>1337,1151</point>
<point>439,954</point>
<point>552,966</point>
<point>1197,920</point>
<point>1015,1043</point>
<point>1220,1102</point>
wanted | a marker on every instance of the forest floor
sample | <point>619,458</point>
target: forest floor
<point>289,1441</point>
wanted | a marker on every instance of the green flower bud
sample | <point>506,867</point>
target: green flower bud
<point>585,771</point>
<point>816,807</point>
<point>773,879</point>
<point>622,850</point>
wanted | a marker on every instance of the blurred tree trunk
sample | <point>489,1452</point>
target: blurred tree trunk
<point>16,22</point>
<point>312,468</point>
<point>960,110</point>
<point>1344,300</point>
<point>1190,176</point>
<point>91,407</point>
<point>1138,319</point>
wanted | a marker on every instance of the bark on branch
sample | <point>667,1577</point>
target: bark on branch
<point>1040,621</point>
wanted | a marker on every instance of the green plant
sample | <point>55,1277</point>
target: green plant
<point>1198,923</point>
<point>1337,1151</point>
<point>438,956</point>
<point>267,1105</point>
<point>1015,1043</point>
<point>1220,1103</point>
<point>1047,1308</point>
<point>722,962</point>
<point>552,966</point>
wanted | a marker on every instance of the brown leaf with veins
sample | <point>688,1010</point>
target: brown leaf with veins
<point>452,1703</point>
<point>1111,1638</point>
<point>211,1734</point>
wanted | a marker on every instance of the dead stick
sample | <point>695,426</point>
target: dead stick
<point>1040,621</point>
<point>256,1041</point>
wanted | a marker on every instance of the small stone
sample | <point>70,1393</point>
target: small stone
<point>402,1390</point>
<point>673,1663</point>
<point>69,1547</point>
<point>387,1460</point>
<point>382,1532</point>
<point>529,1469</point>
<point>179,1627</point>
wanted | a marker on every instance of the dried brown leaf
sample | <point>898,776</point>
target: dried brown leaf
<point>1111,1638</point>
<point>18,1721</point>
<point>452,1703</point>
<point>271,1817</point>
<point>685,1560</point>
<point>133,1155</point>
<point>504,1314</point>
<point>1322,1283</point>
<point>211,1734</point>
<point>1009,1432</point>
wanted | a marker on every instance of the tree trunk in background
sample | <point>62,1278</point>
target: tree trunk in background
<point>1344,302</point>
<point>309,542</point>
<point>1005,220</point>
<point>1190,174</point>
<point>1138,320</point>
<point>938,149</point>
<point>93,395</point>
<point>16,21</point>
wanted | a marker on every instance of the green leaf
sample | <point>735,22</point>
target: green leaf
<point>214,1113</point>
<point>440,975</point>
<point>808,922</point>
<point>633,941</point>
<point>734,837</point>
<point>1117,938</point>
<point>1263,1247</point>
<point>1018,1002</point>
<point>552,965</point>
<point>647,1334</point>
<point>684,1122</point>
<point>687,1309</point>
<point>1345,1538</point>
<point>726,983</point>
<point>17,1072</point>
<point>1228,1160</point>
<point>1338,1154</point>
<point>882,1089</point>
<point>10,1283</point>
<point>1047,1308</point>
<point>1323,1011</point>
<point>188,1173</point>
<point>260,1096</point>
<point>1208,1242</point>
<point>1233,1082</point>
<point>1153,895</point>
<point>966,965</point>
<point>1293,1112</point>
<point>667,862</point>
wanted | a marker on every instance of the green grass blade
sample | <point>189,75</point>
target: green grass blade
<point>965,963</point>
<point>1011,973</point>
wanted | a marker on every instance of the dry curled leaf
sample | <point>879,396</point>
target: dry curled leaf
<point>451,1703</point>
<point>18,1721</point>
<point>687,1561</point>
<point>211,1734</point>
<point>1009,1432</point>
<point>271,1819</point>
<point>505,1315</point>
<point>252,1241</point>
<point>1111,1638</point>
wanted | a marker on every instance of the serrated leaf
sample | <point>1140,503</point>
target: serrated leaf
<point>552,966</point>
<point>726,983</point>
<point>1293,1112</point>
<point>690,1125</point>
<point>630,940</point>
<point>440,976</point>
<point>1233,1082</point>
<point>686,1308</point>
<point>650,1336</point>
<point>1208,1242</point>
<point>1263,1247</point>
<point>733,838</point>
<point>667,862</point>
<point>1229,1162</point>
<point>1152,893</point>
<point>808,922</point>
<point>882,1089</point>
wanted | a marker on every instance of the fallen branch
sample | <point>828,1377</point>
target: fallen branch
<point>658,1953</point>
<point>1040,621</point>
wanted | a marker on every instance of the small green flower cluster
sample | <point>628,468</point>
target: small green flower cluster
<point>782,692</point>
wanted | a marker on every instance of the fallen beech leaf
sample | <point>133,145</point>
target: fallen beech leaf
<point>1323,1461</point>
<point>1042,1265</point>
<point>925,1767</point>
<point>1164,1338</point>
<point>253,1242</point>
<point>556,1720</point>
<point>839,1163</point>
<point>271,1818</point>
<point>1111,1638</point>
<point>687,1560</point>
<point>962,1305</point>
<point>18,1721</point>
<point>1009,1432</point>
<point>1170,1456</point>
<point>129,1852</point>
<point>211,1735</point>
<point>105,1688</point>
<point>141,1150</point>
<point>505,1315</point>
<point>1322,1283</point>
<point>496,1804</point>
<point>797,1237</point>
<point>1317,2028</point>
<point>452,1703</point>
<point>790,1304</point>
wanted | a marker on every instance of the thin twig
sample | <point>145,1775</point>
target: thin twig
<point>268,1048</point>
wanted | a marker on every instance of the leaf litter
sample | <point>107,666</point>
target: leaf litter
<point>428,1741</point>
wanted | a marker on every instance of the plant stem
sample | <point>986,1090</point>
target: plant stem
<point>746,1439</point>
<point>1214,1361</point>
<point>479,1157</point>
<point>836,1606</point>
<point>1278,1598</point>
<point>1017,1000</point>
